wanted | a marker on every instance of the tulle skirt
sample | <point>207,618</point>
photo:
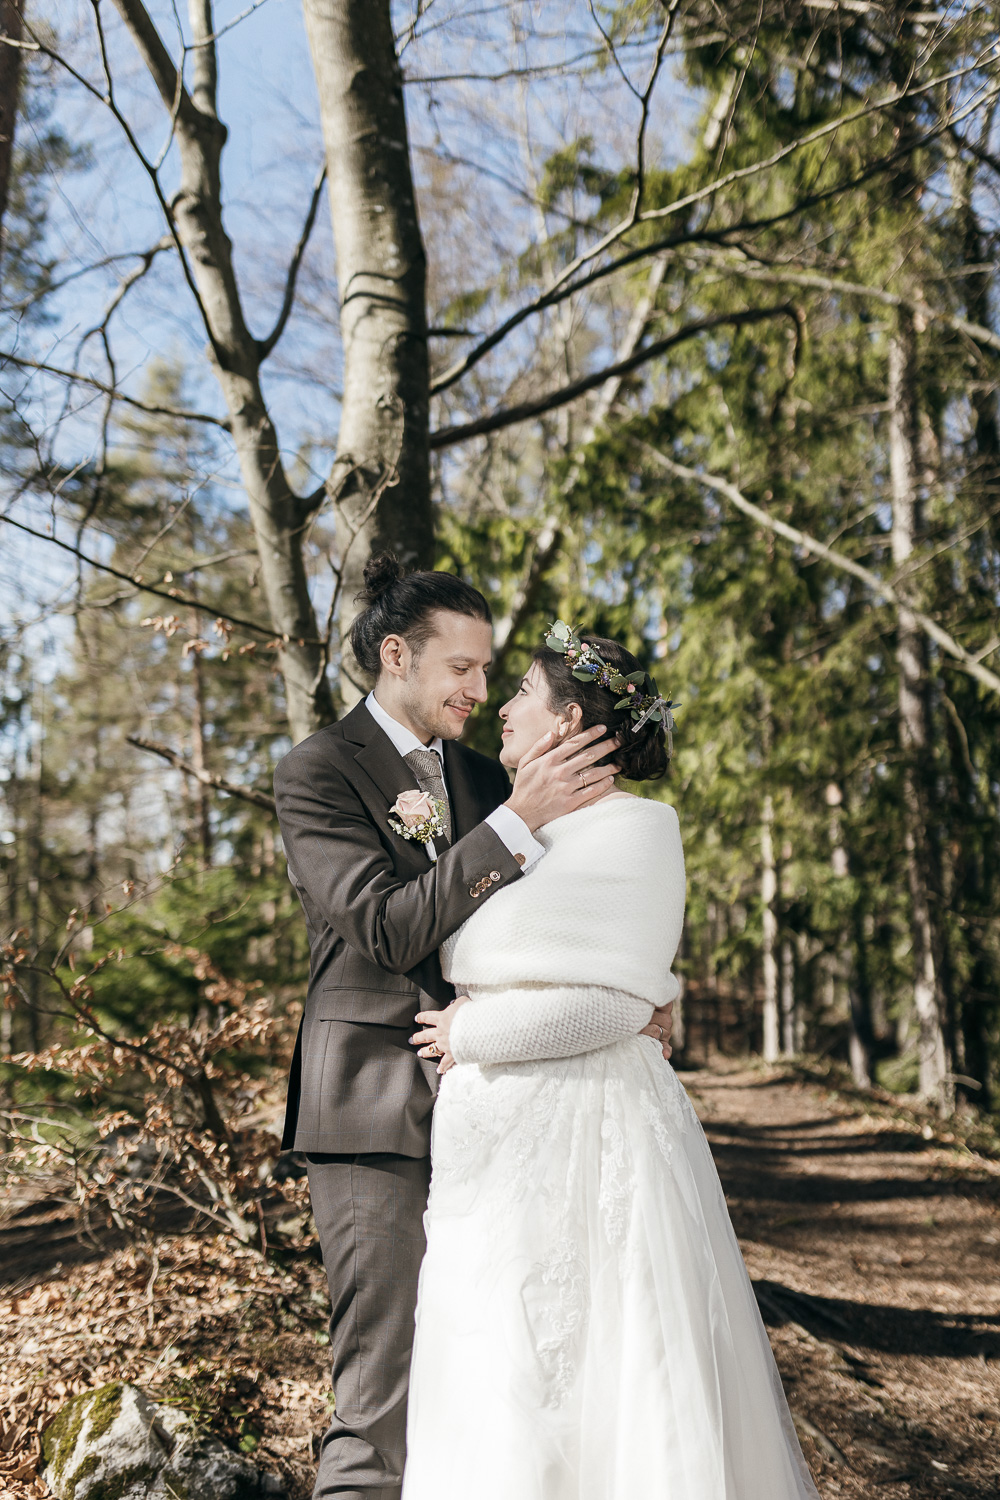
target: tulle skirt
<point>585,1328</point>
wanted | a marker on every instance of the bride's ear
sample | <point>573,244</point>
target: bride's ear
<point>569,721</point>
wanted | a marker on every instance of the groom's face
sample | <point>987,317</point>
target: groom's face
<point>441,684</point>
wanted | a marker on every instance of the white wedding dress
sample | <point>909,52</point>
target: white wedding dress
<point>585,1328</point>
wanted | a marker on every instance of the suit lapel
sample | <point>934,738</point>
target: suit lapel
<point>385,767</point>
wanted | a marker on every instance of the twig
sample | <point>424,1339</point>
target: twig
<point>173,595</point>
<point>264,346</point>
<point>8,357</point>
<point>445,437</point>
<point>207,778</point>
<point>828,1446</point>
<point>813,280</point>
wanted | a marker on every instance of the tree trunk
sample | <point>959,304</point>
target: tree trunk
<point>11,16</point>
<point>914,718</point>
<point>769,955</point>
<point>203,800</point>
<point>789,1016</point>
<point>195,213</point>
<point>380,483</point>
<point>853,965</point>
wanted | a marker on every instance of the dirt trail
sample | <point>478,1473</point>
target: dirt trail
<point>875,1254</point>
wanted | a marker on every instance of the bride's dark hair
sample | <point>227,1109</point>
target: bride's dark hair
<point>642,756</point>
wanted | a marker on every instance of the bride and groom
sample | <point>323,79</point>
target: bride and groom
<point>559,1312</point>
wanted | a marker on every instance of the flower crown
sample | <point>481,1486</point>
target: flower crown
<point>639,691</point>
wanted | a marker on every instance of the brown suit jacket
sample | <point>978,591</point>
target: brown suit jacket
<point>377,910</point>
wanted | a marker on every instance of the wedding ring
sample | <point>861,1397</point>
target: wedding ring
<point>583,778</point>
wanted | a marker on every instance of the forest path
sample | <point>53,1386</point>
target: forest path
<point>875,1255</point>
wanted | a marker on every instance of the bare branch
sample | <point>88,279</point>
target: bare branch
<point>174,596</point>
<point>782,276</point>
<point>878,586</point>
<point>446,437</point>
<point>567,282</point>
<point>245,793</point>
<point>264,346</point>
<point>98,385</point>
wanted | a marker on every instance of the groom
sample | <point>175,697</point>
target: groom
<point>378,905</point>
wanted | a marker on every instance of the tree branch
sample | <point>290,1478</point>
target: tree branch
<point>264,346</point>
<point>446,437</point>
<point>548,541</point>
<point>246,793</point>
<point>564,285</point>
<point>878,586</point>
<point>107,390</point>
<point>916,305</point>
<point>174,596</point>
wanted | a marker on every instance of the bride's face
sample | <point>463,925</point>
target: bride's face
<point>527,716</point>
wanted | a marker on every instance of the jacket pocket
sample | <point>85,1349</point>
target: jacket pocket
<point>373,1007</point>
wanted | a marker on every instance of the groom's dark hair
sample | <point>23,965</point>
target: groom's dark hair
<point>398,603</point>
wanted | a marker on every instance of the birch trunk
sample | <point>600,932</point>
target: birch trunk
<point>380,483</point>
<point>11,15</point>
<point>769,956</point>
<point>914,716</point>
<point>277,514</point>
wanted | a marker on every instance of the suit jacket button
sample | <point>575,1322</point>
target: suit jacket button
<point>473,891</point>
<point>495,876</point>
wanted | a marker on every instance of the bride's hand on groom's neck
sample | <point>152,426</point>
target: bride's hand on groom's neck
<point>556,776</point>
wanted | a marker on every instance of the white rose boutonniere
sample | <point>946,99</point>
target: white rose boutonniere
<point>417,815</point>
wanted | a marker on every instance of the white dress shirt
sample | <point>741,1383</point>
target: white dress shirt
<point>508,827</point>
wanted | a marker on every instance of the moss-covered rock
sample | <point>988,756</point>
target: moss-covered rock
<point>113,1443</point>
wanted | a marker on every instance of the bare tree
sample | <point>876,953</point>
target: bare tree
<point>380,482</point>
<point>915,731</point>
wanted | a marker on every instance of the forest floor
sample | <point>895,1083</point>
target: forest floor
<point>872,1237</point>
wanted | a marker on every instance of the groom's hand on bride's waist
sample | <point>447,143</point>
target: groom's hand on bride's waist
<point>661,1024</point>
<point>556,776</point>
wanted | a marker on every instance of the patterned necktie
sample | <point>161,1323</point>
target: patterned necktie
<point>426,767</point>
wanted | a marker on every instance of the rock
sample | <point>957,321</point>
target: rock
<point>115,1444</point>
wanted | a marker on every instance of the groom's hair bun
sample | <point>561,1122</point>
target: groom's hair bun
<point>394,602</point>
<point>642,756</point>
<point>381,572</point>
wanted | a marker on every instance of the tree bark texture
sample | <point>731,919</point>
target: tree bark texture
<point>914,716</point>
<point>769,955</point>
<point>380,483</point>
<point>277,515</point>
<point>11,16</point>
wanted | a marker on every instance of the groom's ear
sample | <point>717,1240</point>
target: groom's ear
<point>393,655</point>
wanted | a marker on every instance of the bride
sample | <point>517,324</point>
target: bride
<point>585,1328</point>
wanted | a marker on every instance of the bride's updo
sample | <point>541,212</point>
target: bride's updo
<point>642,756</point>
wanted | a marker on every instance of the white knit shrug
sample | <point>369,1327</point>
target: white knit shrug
<point>576,954</point>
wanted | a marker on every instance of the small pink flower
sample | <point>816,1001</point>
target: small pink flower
<point>413,807</point>
<point>630,688</point>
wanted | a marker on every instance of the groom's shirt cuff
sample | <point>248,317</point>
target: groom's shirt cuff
<point>515,833</point>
